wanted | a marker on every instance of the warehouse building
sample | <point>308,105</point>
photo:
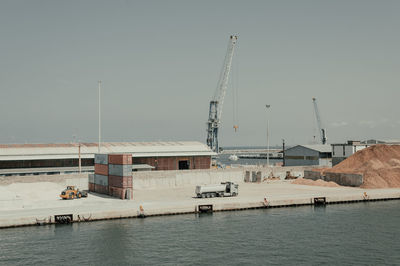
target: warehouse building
<point>73,157</point>
<point>308,155</point>
<point>343,150</point>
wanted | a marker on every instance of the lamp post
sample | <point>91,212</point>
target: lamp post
<point>267,106</point>
<point>283,152</point>
<point>79,160</point>
<point>99,117</point>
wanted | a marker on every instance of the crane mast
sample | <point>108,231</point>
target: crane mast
<point>217,102</point>
<point>322,131</point>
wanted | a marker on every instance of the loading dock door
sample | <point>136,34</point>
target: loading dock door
<point>183,165</point>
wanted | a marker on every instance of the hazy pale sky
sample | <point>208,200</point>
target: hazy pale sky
<point>160,62</point>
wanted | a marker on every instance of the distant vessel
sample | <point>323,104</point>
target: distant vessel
<point>233,157</point>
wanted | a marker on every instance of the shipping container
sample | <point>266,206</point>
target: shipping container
<point>125,158</point>
<point>101,158</point>
<point>120,169</point>
<point>101,189</point>
<point>101,169</point>
<point>117,192</point>
<point>101,180</point>
<point>91,178</point>
<point>120,181</point>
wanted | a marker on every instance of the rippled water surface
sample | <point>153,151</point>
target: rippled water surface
<point>360,233</point>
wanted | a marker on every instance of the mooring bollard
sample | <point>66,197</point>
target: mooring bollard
<point>365,196</point>
<point>141,212</point>
<point>266,202</point>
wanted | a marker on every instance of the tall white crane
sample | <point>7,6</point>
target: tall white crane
<point>322,131</point>
<point>217,102</point>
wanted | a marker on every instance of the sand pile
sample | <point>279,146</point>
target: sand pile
<point>379,165</point>
<point>309,182</point>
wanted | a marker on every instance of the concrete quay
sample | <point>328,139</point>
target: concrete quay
<point>23,204</point>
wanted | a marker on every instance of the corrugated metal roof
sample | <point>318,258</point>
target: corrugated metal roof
<point>319,147</point>
<point>316,147</point>
<point>138,149</point>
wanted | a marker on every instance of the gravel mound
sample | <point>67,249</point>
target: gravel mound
<point>379,165</point>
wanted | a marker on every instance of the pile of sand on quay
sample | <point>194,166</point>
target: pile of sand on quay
<point>379,165</point>
<point>309,182</point>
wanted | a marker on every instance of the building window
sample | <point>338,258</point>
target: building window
<point>183,165</point>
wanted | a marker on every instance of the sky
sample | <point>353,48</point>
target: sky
<point>159,63</point>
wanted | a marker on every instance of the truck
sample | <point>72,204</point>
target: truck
<point>225,189</point>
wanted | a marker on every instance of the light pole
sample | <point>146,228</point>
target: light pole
<point>283,152</point>
<point>99,117</point>
<point>79,160</point>
<point>267,106</point>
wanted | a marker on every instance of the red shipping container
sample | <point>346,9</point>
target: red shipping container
<point>101,169</point>
<point>125,158</point>
<point>117,192</point>
<point>120,181</point>
<point>91,187</point>
<point>101,189</point>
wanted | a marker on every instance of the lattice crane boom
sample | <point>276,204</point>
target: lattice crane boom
<point>216,104</point>
<point>220,92</point>
<point>321,130</point>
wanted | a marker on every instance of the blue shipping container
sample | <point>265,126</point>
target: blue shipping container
<point>120,169</point>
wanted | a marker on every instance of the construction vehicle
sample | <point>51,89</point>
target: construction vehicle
<point>215,111</point>
<point>225,189</point>
<point>322,131</point>
<point>72,193</point>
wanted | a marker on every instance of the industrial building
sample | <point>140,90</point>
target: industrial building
<point>343,150</point>
<point>340,151</point>
<point>308,155</point>
<point>73,157</point>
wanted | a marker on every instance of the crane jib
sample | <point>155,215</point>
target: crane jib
<point>321,130</point>
<point>216,104</point>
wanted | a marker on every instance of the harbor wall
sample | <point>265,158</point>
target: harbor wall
<point>344,179</point>
<point>168,179</point>
<point>313,175</point>
<point>353,180</point>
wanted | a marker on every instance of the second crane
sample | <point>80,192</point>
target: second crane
<point>217,102</point>
<point>322,131</point>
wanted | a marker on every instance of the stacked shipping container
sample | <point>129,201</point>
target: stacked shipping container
<point>101,174</point>
<point>100,178</point>
<point>113,175</point>
<point>120,175</point>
